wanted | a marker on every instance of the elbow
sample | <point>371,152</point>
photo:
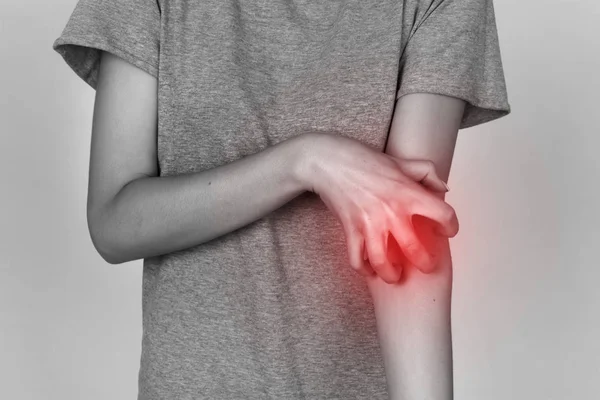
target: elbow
<point>105,248</point>
<point>110,257</point>
<point>104,240</point>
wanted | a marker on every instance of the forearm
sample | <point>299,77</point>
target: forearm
<point>157,215</point>
<point>414,321</point>
<point>413,316</point>
<point>414,327</point>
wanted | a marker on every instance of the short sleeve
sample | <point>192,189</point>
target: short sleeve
<point>454,51</point>
<point>130,29</point>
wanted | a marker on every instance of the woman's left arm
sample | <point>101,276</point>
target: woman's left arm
<point>413,316</point>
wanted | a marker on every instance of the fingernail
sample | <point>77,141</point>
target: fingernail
<point>446,186</point>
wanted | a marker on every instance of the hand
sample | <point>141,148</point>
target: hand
<point>374,194</point>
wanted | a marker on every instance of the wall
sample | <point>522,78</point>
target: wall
<point>526,303</point>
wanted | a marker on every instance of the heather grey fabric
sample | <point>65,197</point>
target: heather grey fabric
<point>273,310</point>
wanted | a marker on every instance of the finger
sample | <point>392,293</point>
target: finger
<point>376,246</point>
<point>436,209</point>
<point>422,171</point>
<point>425,230</point>
<point>394,252</point>
<point>355,244</point>
<point>413,249</point>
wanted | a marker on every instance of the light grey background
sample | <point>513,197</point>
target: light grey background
<point>526,297</point>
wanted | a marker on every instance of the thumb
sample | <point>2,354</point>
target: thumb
<point>422,171</point>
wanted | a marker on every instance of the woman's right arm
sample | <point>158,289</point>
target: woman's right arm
<point>132,213</point>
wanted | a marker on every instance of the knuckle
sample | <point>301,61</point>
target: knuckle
<point>373,220</point>
<point>357,266</point>
<point>377,261</point>
<point>390,209</point>
<point>449,212</point>
<point>411,247</point>
<point>364,215</point>
<point>390,279</point>
<point>404,200</point>
<point>389,218</point>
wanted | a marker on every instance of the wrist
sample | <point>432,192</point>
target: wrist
<point>305,160</point>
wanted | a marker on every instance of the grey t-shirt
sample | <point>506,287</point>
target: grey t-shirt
<point>273,310</point>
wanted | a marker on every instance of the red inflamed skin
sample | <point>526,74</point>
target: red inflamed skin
<point>426,231</point>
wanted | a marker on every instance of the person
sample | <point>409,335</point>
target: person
<point>279,167</point>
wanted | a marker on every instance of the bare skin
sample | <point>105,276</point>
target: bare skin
<point>372,194</point>
<point>134,214</point>
<point>413,316</point>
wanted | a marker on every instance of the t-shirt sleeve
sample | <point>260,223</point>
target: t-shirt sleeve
<point>130,29</point>
<point>453,50</point>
